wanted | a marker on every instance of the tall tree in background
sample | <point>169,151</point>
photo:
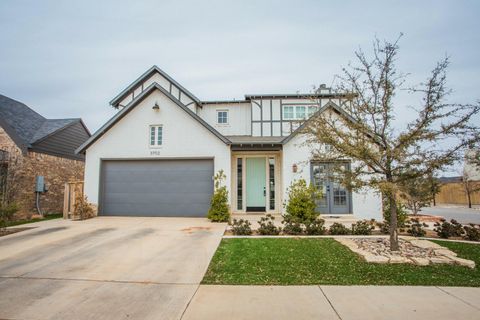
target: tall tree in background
<point>386,156</point>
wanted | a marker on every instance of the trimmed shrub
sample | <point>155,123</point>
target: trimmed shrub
<point>362,227</point>
<point>472,232</point>
<point>241,227</point>
<point>267,227</point>
<point>401,213</point>
<point>416,228</point>
<point>338,229</point>
<point>447,229</point>
<point>291,226</point>
<point>315,227</point>
<point>219,210</point>
<point>7,211</point>
<point>301,202</point>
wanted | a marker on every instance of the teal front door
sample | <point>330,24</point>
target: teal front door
<point>256,184</point>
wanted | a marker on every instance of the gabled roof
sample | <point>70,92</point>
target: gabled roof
<point>25,126</point>
<point>145,76</point>
<point>328,105</point>
<point>122,113</point>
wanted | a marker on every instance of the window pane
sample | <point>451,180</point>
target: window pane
<point>288,113</point>
<point>239,184</point>
<point>152,136</point>
<point>300,113</point>
<point>159,135</point>
<point>222,117</point>
<point>271,175</point>
<point>312,110</point>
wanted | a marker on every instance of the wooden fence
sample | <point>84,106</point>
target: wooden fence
<point>73,190</point>
<point>454,193</point>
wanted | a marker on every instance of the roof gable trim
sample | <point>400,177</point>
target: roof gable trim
<point>154,86</point>
<point>144,77</point>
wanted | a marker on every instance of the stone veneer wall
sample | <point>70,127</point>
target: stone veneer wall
<point>56,170</point>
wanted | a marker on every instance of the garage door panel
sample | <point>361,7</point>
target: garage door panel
<point>157,187</point>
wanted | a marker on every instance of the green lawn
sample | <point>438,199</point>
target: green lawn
<point>325,261</point>
<point>25,221</point>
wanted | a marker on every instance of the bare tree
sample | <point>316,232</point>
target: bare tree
<point>470,185</point>
<point>419,192</point>
<point>385,155</point>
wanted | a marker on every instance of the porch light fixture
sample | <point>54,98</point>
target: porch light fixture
<point>294,168</point>
<point>156,107</point>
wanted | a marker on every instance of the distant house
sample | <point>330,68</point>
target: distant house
<point>31,146</point>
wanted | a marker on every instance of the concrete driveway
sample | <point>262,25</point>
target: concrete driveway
<point>105,268</point>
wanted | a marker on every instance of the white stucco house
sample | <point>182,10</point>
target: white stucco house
<point>158,154</point>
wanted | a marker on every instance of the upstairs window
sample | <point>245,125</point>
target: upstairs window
<point>298,112</point>
<point>156,136</point>
<point>222,116</point>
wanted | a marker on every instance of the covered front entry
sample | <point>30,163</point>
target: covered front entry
<point>166,188</point>
<point>256,186</point>
<point>336,199</point>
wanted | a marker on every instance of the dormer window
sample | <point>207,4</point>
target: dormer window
<point>222,116</point>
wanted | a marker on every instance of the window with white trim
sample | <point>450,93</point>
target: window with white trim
<point>298,112</point>
<point>156,135</point>
<point>222,116</point>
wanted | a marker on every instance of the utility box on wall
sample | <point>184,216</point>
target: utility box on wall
<point>40,184</point>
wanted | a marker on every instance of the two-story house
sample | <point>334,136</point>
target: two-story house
<point>158,154</point>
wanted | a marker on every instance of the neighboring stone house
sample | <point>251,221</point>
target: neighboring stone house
<point>31,146</point>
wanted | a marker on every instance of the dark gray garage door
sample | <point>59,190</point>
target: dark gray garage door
<point>165,188</point>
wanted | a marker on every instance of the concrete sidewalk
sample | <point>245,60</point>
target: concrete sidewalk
<point>333,302</point>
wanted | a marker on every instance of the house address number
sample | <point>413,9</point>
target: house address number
<point>155,153</point>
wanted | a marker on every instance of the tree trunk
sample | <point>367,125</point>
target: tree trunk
<point>393,222</point>
<point>469,199</point>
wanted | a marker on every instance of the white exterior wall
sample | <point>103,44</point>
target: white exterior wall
<point>239,118</point>
<point>183,137</point>
<point>366,204</point>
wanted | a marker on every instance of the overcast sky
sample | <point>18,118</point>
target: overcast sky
<point>69,58</point>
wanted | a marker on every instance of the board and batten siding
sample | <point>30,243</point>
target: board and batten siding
<point>64,142</point>
<point>183,137</point>
<point>267,114</point>
<point>239,119</point>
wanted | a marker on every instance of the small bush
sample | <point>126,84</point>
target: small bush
<point>363,227</point>
<point>472,232</point>
<point>83,209</point>
<point>315,227</point>
<point>401,213</point>
<point>7,211</point>
<point>219,210</point>
<point>267,227</point>
<point>447,229</point>
<point>416,228</point>
<point>384,227</point>
<point>338,229</point>
<point>241,227</point>
<point>291,226</point>
<point>301,201</point>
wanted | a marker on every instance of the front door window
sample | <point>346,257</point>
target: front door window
<point>335,197</point>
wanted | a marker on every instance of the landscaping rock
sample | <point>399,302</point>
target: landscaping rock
<point>463,262</point>
<point>420,261</point>
<point>411,250</point>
